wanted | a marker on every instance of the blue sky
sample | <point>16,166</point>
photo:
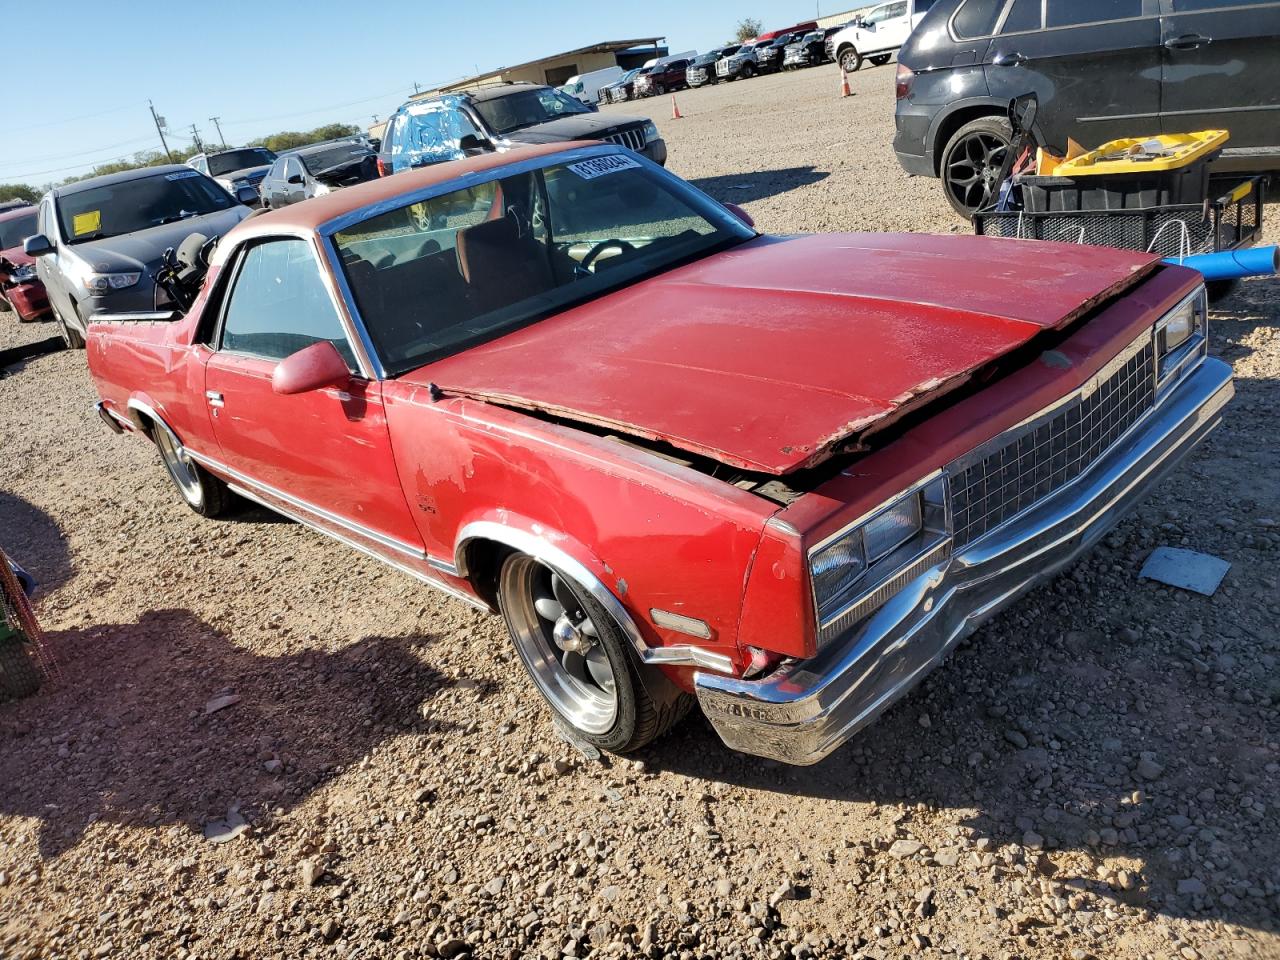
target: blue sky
<point>83,71</point>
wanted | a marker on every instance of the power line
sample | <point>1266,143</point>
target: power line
<point>303,113</point>
<point>76,153</point>
<point>87,116</point>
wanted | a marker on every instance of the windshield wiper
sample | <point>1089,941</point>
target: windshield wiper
<point>180,215</point>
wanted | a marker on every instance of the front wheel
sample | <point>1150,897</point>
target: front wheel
<point>659,90</point>
<point>70,335</point>
<point>580,660</point>
<point>748,72</point>
<point>971,164</point>
<point>850,61</point>
<point>203,492</point>
<point>881,60</point>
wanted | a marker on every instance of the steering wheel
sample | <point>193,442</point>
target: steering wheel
<point>601,247</point>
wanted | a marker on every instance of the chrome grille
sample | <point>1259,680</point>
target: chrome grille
<point>633,138</point>
<point>1033,460</point>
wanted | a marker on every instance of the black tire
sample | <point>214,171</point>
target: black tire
<point>748,71</point>
<point>658,90</point>
<point>200,490</point>
<point>646,703</point>
<point>5,306</point>
<point>70,335</point>
<point>971,164</point>
<point>850,60</point>
<point>19,676</point>
<point>881,59</point>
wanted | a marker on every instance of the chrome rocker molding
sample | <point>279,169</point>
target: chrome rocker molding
<point>541,549</point>
<point>805,710</point>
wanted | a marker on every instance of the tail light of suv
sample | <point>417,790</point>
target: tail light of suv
<point>383,169</point>
<point>902,84</point>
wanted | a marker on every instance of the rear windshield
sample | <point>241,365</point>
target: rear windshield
<point>13,232</point>
<point>133,205</point>
<point>221,163</point>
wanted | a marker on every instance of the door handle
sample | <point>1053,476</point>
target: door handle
<point>1003,59</point>
<point>215,398</point>
<point>1189,41</point>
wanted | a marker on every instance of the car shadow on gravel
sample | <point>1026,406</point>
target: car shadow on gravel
<point>1046,781</point>
<point>33,539</point>
<point>747,187</point>
<point>167,721</point>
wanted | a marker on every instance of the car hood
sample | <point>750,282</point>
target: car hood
<point>143,249</point>
<point>17,256</point>
<point>583,126</point>
<point>776,354</point>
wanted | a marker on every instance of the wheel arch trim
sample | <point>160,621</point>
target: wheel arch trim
<point>956,116</point>
<point>542,544</point>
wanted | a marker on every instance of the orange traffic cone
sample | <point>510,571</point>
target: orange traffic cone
<point>675,109</point>
<point>844,83</point>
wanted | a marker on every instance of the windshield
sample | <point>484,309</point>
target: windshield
<point>435,277</point>
<point>13,232</point>
<point>527,108</point>
<point>133,205</point>
<point>321,160</point>
<point>222,163</point>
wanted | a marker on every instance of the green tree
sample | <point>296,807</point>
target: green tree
<point>748,28</point>
<point>289,139</point>
<point>18,191</point>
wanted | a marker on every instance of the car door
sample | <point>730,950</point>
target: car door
<point>893,30</point>
<point>294,186</point>
<point>270,188</point>
<point>323,455</point>
<point>47,266</point>
<point>1094,65</point>
<point>1221,69</point>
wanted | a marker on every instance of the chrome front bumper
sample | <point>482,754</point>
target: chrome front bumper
<point>804,711</point>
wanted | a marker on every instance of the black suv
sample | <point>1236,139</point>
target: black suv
<point>1101,69</point>
<point>500,117</point>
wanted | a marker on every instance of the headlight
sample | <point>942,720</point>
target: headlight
<point>102,282</point>
<point>650,132</point>
<point>858,569</point>
<point>1181,335</point>
<point>321,190</point>
<point>23,274</point>
<point>226,184</point>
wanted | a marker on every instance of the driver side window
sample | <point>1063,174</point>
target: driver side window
<point>278,304</point>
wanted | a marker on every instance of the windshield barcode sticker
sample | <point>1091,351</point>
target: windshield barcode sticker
<point>599,166</point>
<point>183,174</point>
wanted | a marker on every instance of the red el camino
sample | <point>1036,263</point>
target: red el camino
<point>780,476</point>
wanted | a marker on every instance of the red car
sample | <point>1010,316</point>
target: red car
<point>20,289</point>
<point>777,476</point>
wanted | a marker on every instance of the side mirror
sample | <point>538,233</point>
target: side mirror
<point>37,246</point>
<point>741,214</point>
<point>311,368</point>
<point>295,180</point>
<point>472,143</point>
<point>247,195</point>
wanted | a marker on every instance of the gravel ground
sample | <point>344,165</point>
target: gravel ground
<point>264,745</point>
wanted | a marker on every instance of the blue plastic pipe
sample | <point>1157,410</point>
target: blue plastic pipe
<point>1233,264</point>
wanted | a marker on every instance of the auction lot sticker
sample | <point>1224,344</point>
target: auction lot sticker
<point>600,166</point>
<point>88,222</point>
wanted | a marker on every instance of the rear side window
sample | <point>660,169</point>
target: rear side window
<point>1024,15</point>
<point>976,18</point>
<point>279,304</point>
<point>1069,13</point>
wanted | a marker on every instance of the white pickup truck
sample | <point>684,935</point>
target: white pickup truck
<point>877,34</point>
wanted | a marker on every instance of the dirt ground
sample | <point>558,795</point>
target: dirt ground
<point>265,745</point>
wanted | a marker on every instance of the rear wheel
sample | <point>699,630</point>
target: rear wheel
<point>579,659</point>
<point>880,60</point>
<point>971,164</point>
<point>203,492</point>
<point>850,60</point>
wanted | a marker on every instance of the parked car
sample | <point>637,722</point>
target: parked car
<point>502,117</point>
<point>739,64</point>
<point>769,55</point>
<point>806,51</point>
<point>233,169</point>
<point>587,87</point>
<point>315,170</point>
<point>100,241</point>
<point>624,90</point>
<point>878,33</point>
<point>783,475</point>
<point>1099,70</point>
<point>702,68</point>
<point>20,289</point>
<point>662,79</point>
<point>609,91</point>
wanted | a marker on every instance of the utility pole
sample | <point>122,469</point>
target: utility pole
<point>217,126</point>
<point>195,135</point>
<point>417,88</point>
<point>160,130</point>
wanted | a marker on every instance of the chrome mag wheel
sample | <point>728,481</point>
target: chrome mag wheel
<point>181,467</point>
<point>560,644</point>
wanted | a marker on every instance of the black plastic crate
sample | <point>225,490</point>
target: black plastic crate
<point>1229,222</point>
<point>1129,191</point>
